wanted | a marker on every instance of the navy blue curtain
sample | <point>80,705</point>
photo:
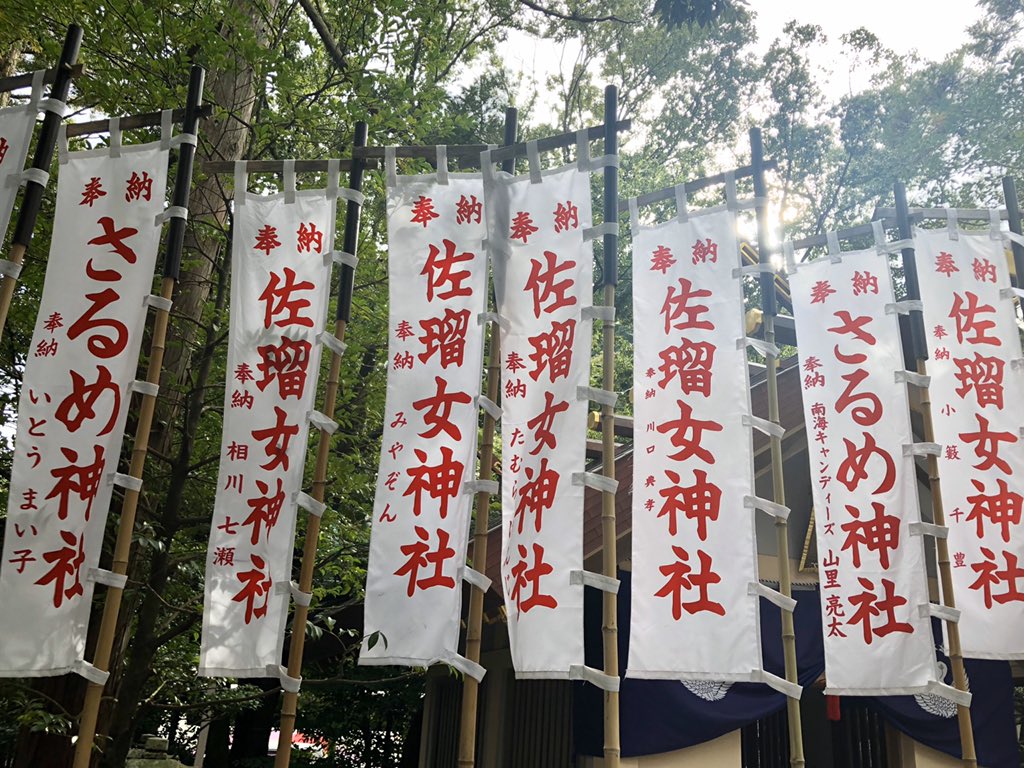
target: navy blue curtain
<point>662,716</point>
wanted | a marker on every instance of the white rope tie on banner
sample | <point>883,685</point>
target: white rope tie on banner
<point>919,528</point>
<point>682,208</point>
<point>35,175</point>
<point>477,579</point>
<point>835,251</point>
<point>607,228</point>
<point>533,156</point>
<point>634,215</point>
<point>1013,237</point>
<point>10,269</point>
<point>595,481</point>
<point>910,377</point>
<point>157,302</point>
<point>351,195</point>
<point>922,449</point>
<point>288,684</point>
<point>493,317</point>
<point>580,578</point>
<point>115,137</point>
<point>171,212</point>
<point>332,342</point>
<point>289,180</point>
<point>764,426</point>
<point>944,612</point>
<point>904,307</point>
<point>773,596</point>
<point>462,664</point>
<point>298,596</point>
<point>604,161</point>
<point>127,482</point>
<point>582,150</point>
<point>753,269</point>
<point>486,167</point>
<point>781,511</point>
<point>490,487</point>
<point>333,178</point>
<point>442,164</point>
<point>595,677</point>
<point>602,396</point>
<point>38,79</point>
<point>598,312</point>
<point>761,346</point>
<point>730,191</point>
<point>948,692</point>
<point>56,106</point>
<point>390,167</point>
<point>791,690</point>
<point>166,129</point>
<point>952,226</point>
<point>485,403</point>
<point>342,258</point>
<point>1010,293</point>
<point>304,501</point>
<point>62,144</point>
<point>184,138</point>
<point>995,225</point>
<point>145,388</point>
<point>322,422</point>
<point>106,578</point>
<point>94,675</point>
<point>241,182</point>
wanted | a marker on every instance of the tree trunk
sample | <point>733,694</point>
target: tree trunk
<point>253,727</point>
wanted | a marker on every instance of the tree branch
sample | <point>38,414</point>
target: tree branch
<point>573,16</point>
<point>336,54</point>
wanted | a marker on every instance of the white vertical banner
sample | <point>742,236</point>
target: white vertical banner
<point>874,591</point>
<point>16,125</point>
<point>977,404</point>
<point>694,613</point>
<point>437,270</point>
<point>280,288</point>
<point>75,397</point>
<point>543,276</point>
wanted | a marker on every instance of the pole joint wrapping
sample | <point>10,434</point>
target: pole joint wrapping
<point>581,578</point>
<point>322,422</point>
<point>332,342</point>
<point>773,596</point>
<point>922,449</point>
<point>10,269</point>
<point>776,510</point>
<point>288,683</point>
<point>128,482</point>
<point>491,408</point>
<point>145,388</point>
<point>944,612</point>
<point>477,579</point>
<point>106,578</point>
<point>304,501</point>
<point>764,426</point>
<point>94,675</point>
<point>602,396</point>
<point>919,528</point>
<point>595,481</point>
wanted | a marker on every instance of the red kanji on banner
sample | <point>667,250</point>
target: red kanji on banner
<point>868,605</point>
<point>423,211</point>
<point>138,187</point>
<point>238,451</point>
<point>65,563</point>
<point>545,285</point>
<point>680,576</point>
<point>687,432</point>
<point>864,282</point>
<point>987,448</point>
<point>438,409</point>
<point>965,314</point>
<point>265,510</point>
<point>442,481</point>
<point>404,330</point>
<point>80,404</point>
<point>522,227</point>
<point>704,251</point>
<point>256,583</point>
<point>990,576</point>
<point>691,363</point>
<point>536,494</point>
<point>854,467</point>
<point>276,438</point>
<point>309,238</point>
<point>277,299</point>
<point>53,322</point>
<point>984,375</point>
<point>553,350</point>
<point>700,502</point>
<point>676,306</point>
<point>1002,508</point>
<point>266,239</point>
<point>820,291</point>
<point>440,269</point>
<point>984,271</point>
<point>542,423</point>
<point>81,480</point>
<point>514,362</point>
<point>834,611</point>
<point>567,216</point>
<point>468,209</point>
<point>242,398</point>
<point>421,556</point>
<point>879,534</point>
<point>286,363</point>
<point>515,388</point>
<point>814,377</point>
<point>662,259</point>
<point>224,556</point>
<point>93,191</point>
<point>944,264</point>
<point>4,146</point>
<point>445,335</point>
<point>524,575</point>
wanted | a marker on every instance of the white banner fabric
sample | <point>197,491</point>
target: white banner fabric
<point>871,567</point>
<point>543,279</point>
<point>437,272</point>
<point>16,126</point>
<point>74,402</point>
<point>977,404</point>
<point>694,549</point>
<point>280,287</point>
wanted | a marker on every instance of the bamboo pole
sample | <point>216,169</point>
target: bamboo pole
<point>956,658</point>
<point>610,627</point>
<point>470,686</point>
<point>770,309</point>
<point>33,197</point>
<point>126,527</point>
<point>290,700</point>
